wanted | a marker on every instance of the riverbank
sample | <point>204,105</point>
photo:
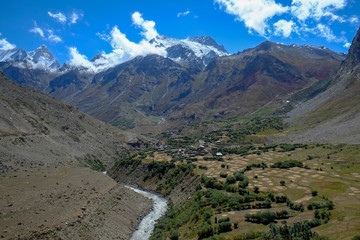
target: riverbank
<point>147,224</point>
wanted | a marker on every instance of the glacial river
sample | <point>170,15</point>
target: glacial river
<point>147,224</point>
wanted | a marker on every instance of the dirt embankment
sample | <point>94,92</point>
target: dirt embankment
<point>67,203</point>
<point>135,177</point>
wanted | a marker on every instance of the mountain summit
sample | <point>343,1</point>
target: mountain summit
<point>191,52</point>
<point>39,58</point>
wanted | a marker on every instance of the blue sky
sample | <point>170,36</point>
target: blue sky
<point>81,29</point>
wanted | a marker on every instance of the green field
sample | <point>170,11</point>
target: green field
<point>329,173</point>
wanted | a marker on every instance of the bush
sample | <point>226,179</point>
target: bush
<point>239,176</point>
<point>224,227</point>
<point>236,226</point>
<point>223,175</point>
<point>287,164</point>
<point>174,235</point>
<point>206,231</point>
<point>314,193</point>
<point>221,220</point>
<point>230,179</point>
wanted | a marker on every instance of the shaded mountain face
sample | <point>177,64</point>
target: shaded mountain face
<point>151,85</point>
<point>334,115</point>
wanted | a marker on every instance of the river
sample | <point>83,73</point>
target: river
<point>147,224</point>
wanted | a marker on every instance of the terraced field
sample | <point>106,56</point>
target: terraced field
<point>330,172</point>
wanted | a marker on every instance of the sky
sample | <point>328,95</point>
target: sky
<point>76,31</point>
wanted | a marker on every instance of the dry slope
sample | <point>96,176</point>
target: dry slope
<point>46,190</point>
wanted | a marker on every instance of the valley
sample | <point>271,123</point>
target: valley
<point>260,144</point>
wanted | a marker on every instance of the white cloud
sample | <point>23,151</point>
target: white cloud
<point>354,20</point>
<point>284,28</point>
<point>180,14</point>
<point>149,31</point>
<point>5,45</point>
<point>47,35</point>
<point>38,30</point>
<point>122,48</point>
<point>79,60</point>
<point>75,17</point>
<point>254,13</point>
<point>58,16</point>
<point>53,38</point>
<point>324,31</point>
<point>316,9</point>
<point>103,36</point>
<point>347,45</point>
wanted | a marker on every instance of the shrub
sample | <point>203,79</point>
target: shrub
<point>224,227</point>
<point>287,164</point>
<point>223,175</point>
<point>230,179</point>
<point>205,231</point>
<point>174,235</point>
<point>236,225</point>
<point>314,193</point>
<point>221,220</point>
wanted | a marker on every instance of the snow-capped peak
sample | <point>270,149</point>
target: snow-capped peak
<point>198,50</point>
<point>39,58</point>
<point>42,57</point>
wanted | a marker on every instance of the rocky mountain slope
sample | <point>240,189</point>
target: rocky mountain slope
<point>47,148</point>
<point>334,115</point>
<point>158,91</point>
<point>166,92</point>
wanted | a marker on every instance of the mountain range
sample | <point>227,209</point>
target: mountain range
<point>46,143</point>
<point>198,79</point>
<point>333,115</point>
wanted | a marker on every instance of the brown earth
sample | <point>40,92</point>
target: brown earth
<point>67,203</point>
<point>47,189</point>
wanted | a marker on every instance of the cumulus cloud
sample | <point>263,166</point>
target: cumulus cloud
<point>5,45</point>
<point>123,49</point>
<point>149,31</point>
<point>284,28</point>
<point>58,16</point>
<point>180,14</point>
<point>254,13</point>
